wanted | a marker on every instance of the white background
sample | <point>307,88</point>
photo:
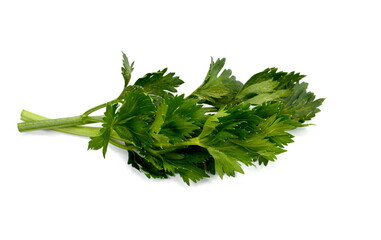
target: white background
<point>59,58</point>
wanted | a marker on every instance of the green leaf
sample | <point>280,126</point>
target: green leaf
<point>188,163</point>
<point>161,113</point>
<point>126,70</point>
<point>218,89</point>
<point>268,109</point>
<point>262,92</point>
<point>268,86</point>
<point>102,140</point>
<point>260,148</point>
<point>134,116</point>
<point>178,118</point>
<point>135,103</point>
<point>224,163</point>
<point>270,137</point>
<point>274,126</point>
<point>136,131</point>
<point>258,88</point>
<point>235,121</point>
<point>157,83</point>
<point>140,163</point>
<point>301,105</point>
<point>236,134</point>
<point>285,80</point>
<point>158,123</point>
<point>268,97</point>
<point>211,123</point>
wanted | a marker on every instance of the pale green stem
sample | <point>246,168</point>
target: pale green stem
<point>170,147</point>
<point>120,145</point>
<point>96,108</point>
<point>79,130</point>
<point>36,122</point>
<point>74,130</point>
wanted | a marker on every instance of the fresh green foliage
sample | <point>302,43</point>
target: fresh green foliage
<point>102,140</point>
<point>218,89</point>
<point>217,129</point>
<point>158,83</point>
<point>127,70</point>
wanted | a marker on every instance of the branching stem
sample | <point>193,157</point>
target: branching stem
<point>96,108</point>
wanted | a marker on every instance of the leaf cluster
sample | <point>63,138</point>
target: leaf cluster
<point>221,126</point>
